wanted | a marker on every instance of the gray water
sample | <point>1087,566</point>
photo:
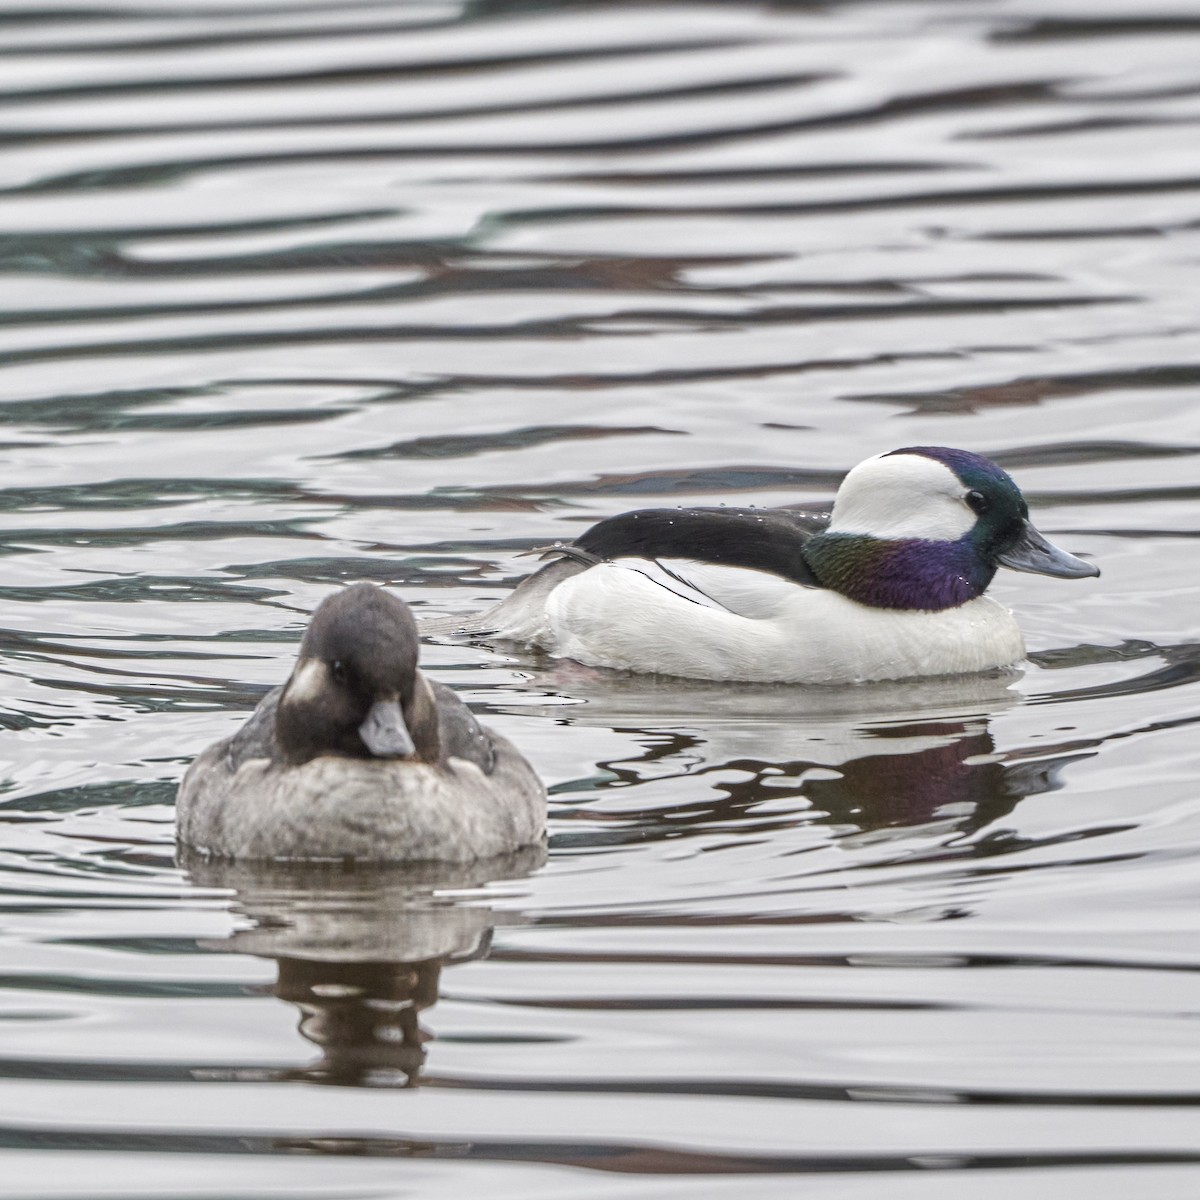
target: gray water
<point>301,293</point>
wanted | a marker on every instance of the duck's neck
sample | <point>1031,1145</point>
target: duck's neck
<point>907,573</point>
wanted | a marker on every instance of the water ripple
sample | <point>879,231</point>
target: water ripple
<point>305,293</point>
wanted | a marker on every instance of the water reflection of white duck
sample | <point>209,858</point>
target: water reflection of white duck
<point>359,951</point>
<point>865,758</point>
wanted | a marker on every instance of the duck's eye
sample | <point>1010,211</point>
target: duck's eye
<point>977,502</point>
<point>338,671</point>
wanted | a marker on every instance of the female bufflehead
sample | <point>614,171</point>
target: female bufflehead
<point>888,586</point>
<point>359,756</point>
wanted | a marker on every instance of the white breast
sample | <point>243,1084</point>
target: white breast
<point>617,615</point>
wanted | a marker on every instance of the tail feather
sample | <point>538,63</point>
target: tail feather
<point>519,611</point>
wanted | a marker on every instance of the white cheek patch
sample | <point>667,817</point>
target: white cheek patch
<point>902,496</point>
<point>308,680</point>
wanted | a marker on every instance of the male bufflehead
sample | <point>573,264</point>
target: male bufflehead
<point>890,585</point>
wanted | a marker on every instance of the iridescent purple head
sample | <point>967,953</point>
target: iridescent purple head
<point>926,527</point>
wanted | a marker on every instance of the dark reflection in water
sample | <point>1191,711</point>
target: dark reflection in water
<point>365,1017</point>
<point>887,790</point>
<point>360,951</point>
<point>956,780</point>
<point>829,747</point>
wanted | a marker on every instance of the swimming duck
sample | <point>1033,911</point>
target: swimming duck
<point>890,585</point>
<point>359,756</point>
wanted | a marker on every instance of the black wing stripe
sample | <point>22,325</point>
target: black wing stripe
<point>685,583</point>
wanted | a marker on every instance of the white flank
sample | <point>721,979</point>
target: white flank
<point>740,590</point>
<point>902,496</point>
<point>615,616</point>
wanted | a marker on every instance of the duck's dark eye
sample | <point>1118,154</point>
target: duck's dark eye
<point>338,671</point>
<point>977,502</point>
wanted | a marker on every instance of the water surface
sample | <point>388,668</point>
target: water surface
<point>302,293</point>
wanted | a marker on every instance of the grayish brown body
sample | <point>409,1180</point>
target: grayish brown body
<point>359,756</point>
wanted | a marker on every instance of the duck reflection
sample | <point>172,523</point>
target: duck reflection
<point>360,950</point>
<point>363,1016</point>
<point>943,773</point>
<point>861,760</point>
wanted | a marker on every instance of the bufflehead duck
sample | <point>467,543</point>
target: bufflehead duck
<point>888,586</point>
<point>359,756</point>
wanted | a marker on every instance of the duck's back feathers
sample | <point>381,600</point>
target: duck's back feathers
<point>758,539</point>
<point>681,549</point>
<point>255,739</point>
<point>462,737</point>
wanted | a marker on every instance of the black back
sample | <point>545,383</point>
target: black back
<point>761,539</point>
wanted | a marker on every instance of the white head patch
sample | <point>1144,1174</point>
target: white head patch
<point>902,496</point>
<point>308,680</point>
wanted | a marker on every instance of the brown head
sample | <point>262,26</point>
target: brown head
<point>356,689</point>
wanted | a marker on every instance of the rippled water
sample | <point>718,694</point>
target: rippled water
<point>298,293</point>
